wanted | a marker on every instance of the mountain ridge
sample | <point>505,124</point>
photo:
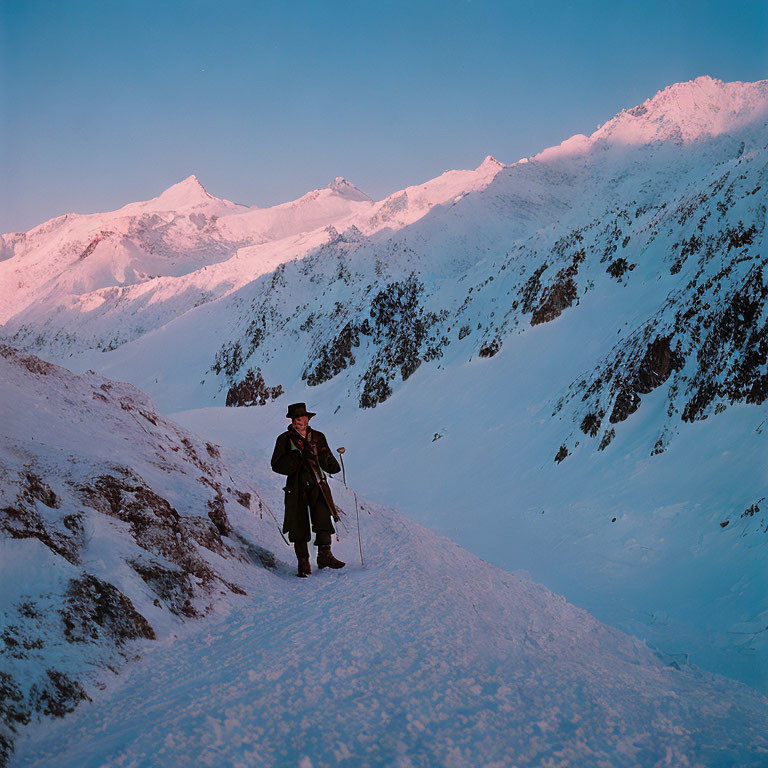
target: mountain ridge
<point>740,101</point>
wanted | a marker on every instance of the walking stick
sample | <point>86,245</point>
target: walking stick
<point>340,451</point>
<point>359,542</point>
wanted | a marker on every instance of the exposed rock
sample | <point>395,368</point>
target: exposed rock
<point>13,712</point>
<point>399,329</point>
<point>252,390</point>
<point>591,424</point>
<point>334,357</point>
<point>204,533</point>
<point>531,288</point>
<point>90,248</point>
<point>95,609</point>
<point>626,403</point>
<point>154,524</point>
<point>489,350</point>
<point>755,517</point>
<point>656,366</point>
<point>619,267</point>
<point>30,362</point>
<point>212,450</point>
<point>228,360</point>
<point>243,498</point>
<point>650,372</point>
<point>562,293</point>
<point>606,439</point>
<point>218,514</point>
<point>558,297</point>
<point>36,488</point>
<point>376,389</point>
<point>57,636</point>
<point>21,520</point>
<point>58,696</point>
<point>732,357</point>
<point>173,587</point>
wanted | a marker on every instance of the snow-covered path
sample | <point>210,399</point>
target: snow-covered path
<point>427,656</point>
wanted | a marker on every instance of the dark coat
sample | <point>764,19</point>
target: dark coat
<point>301,485</point>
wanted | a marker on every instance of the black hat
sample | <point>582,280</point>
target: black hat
<point>298,409</point>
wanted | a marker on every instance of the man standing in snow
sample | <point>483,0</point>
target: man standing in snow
<point>303,455</point>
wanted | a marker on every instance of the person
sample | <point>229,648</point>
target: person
<point>303,455</point>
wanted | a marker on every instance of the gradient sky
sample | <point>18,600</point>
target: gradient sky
<point>106,102</point>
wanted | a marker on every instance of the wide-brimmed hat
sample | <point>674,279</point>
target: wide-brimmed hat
<point>298,409</point>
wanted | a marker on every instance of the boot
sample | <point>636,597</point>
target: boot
<point>325,558</point>
<point>302,556</point>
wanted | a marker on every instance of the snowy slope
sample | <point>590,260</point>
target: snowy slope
<point>424,656</point>
<point>115,526</point>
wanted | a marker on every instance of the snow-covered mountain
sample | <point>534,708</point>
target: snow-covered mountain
<point>124,535</point>
<point>560,363</point>
<point>172,234</point>
<point>99,280</point>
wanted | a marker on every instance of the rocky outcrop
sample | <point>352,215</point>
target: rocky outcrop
<point>105,560</point>
<point>334,357</point>
<point>562,292</point>
<point>252,390</point>
<point>732,362</point>
<point>490,349</point>
<point>559,296</point>
<point>96,610</point>
<point>652,370</point>
<point>401,331</point>
<point>707,339</point>
<point>656,366</point>
<point>22,520</point>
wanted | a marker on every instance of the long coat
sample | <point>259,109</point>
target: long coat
<point>301,485</point>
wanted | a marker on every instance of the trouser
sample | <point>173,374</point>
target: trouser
<point>318,512</point>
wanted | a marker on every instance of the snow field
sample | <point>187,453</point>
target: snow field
<point>427,656</point>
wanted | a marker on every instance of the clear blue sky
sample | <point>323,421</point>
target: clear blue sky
<point>105,102</point>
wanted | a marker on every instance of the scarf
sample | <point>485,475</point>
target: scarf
<point>308,451</point>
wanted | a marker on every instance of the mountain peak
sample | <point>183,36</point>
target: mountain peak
<point>191,181</point>
<point>689,110</point>
<point>490,164</point>
<point>188,192</point>
<point>348,190</point>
